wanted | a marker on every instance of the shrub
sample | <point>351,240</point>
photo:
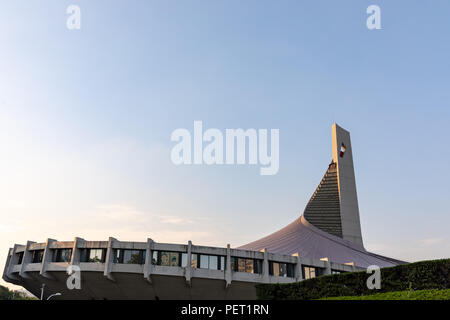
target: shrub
<point>434,274</point>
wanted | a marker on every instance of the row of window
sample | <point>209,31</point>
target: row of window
<point>64,255</point>
<point>246,265</point>
<point>177,259</point>
<point>281,269</point>
<point>129,256</point>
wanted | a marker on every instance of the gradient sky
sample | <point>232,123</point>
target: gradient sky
<point>86,118</point>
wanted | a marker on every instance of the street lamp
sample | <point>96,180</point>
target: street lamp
<point>53,295</point>
<point>50,296</point>
<point>42,291</point>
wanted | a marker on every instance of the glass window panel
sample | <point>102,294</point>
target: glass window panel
<point>184,260</point>
<point>126,256</point>
<point>174,259</point>
<point>37,256</point>
<point>283,269</point>
<point>310,272</point>
<point>290,270</point>
<point>233,262</point>
<point>165,258</point>
<point>154,257</point>
<point>249,265</point>
<point>241,265</point>
<point>63,255</point>
<point>133,256</point>
<point>204,261</point>
<point>258,266</point>
<point>95,255</point>
<point>194,260</point>
<point>142,256</point>
<point>222,263</point>
<point>276,269</point>
<point>213,262</point>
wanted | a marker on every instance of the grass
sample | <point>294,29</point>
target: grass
<point>431,294</point>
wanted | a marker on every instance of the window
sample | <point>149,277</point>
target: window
<point>168,258</point>
<point>281,269</point>
<point>62,255</point>
<point>19,257</point>
<point>222,263</point>
<point>37,256</point>
<point>179,259</point>
<point>93,255</point>
<point>214,262</point>
<point>211,262</point>
<point>129,256</point>
<point>194,260</point>
<point>171,259</point>
<point>204,261</point>
<point>309,272</point>
<point>184,260</point>
<point>246,265</point>
<point>258,266</point>
<point>335,272</point>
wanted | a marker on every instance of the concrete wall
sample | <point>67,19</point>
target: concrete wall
<point>111,280</point>
<point>350,221</point>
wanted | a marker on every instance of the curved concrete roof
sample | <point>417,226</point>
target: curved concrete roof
<point>302,237</point>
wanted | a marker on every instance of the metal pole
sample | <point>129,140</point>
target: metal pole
<point>42,291</point>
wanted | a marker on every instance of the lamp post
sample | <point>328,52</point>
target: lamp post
<point>50,296</point>
<point>53,295</point>
<point>42,291</point>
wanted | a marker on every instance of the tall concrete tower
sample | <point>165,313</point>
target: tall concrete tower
<point>329,226</point>
<point>343,157</point>
<point>333,207</point>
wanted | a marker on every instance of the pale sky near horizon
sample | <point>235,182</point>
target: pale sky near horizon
<point>86,117</point>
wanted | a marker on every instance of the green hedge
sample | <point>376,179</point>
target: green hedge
<point>434,274</point>
<point>6,294</point>
<point>430,294</point>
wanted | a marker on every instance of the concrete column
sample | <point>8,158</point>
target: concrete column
<point>352,264</point>
<point>265,275</point>
<point>327,269</point>
<point>12,262</point>
<point>75,259</point>
<point>8,260</point>
<point>47,258</point>
<point>228,275</point>
<point>298,268</point>
<point>188,271</point>
<point>27,258</point>
<point>148,266</point>
<point>109,261</point>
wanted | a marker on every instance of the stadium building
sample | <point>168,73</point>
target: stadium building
<point>325,239</point>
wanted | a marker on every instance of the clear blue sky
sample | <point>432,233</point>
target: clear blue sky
<point>86,118</point>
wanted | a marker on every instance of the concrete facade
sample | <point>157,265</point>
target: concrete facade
<point>343,157</point>
<point>112,280</point>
